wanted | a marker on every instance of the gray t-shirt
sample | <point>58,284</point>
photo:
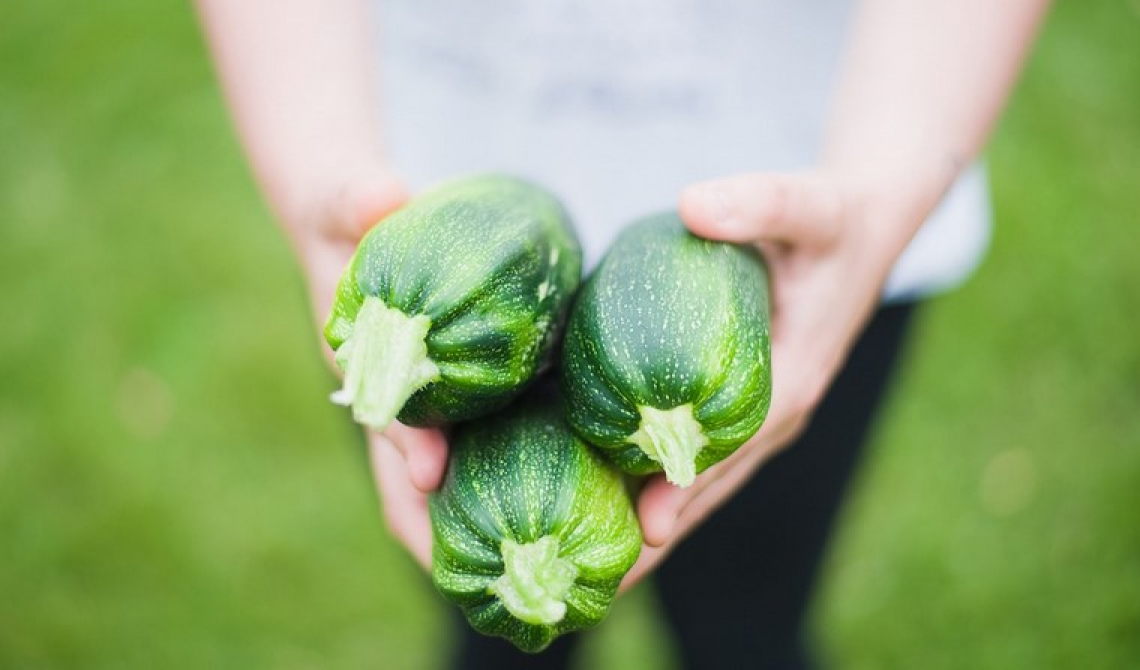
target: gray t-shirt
<point>616,105</point>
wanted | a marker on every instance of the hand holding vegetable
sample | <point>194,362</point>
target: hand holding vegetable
<point>407,462</point>
<point>899,132</point>
<point>829,249</point>
<point>301,87</point>
<point>301,84</point>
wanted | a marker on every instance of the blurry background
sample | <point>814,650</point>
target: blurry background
<point>176,491</point>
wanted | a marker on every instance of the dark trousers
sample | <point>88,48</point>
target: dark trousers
<point>736,592</point>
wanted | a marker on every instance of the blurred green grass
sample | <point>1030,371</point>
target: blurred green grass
<point>176,492</point>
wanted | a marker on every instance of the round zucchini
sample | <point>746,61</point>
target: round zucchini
<point>452,303</point>
<point>666,359</point>
<point>532,530</point>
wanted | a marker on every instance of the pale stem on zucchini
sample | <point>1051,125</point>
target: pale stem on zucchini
<point>673,438</point>
<point>385,361</point>
<point>535,581</point>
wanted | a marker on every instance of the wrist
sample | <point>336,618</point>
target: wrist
<point>890,202</point>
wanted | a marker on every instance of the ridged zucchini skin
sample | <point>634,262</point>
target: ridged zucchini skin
<point>492,261</point>
<point>669,319</point>
<point>523,475</point>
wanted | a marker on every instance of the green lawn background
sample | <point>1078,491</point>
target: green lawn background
<point>176,491</point>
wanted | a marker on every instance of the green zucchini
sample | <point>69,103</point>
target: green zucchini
<point>532,530</point>
<point>667,356</point>
<point>452,303</point>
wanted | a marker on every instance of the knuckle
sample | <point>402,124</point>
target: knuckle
<point>778,201</point>
<point>831,205</point>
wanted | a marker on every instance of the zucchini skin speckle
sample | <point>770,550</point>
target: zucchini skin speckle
<point>492,262</point>
<point>669,319</point>
<point>523,475</point>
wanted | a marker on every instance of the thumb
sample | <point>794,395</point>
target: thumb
<point>796,209</point>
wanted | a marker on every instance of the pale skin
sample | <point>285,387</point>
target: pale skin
<point>920,87</point>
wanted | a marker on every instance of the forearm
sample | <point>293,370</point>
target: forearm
<point>298,76</point>
<point>922,83</point>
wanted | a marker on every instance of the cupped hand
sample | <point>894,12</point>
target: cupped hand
<point>828,252</point>
<point>408,463</point>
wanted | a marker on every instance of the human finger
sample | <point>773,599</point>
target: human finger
<point>424,451</point>
<point>404,507</point>
<point>799,208</point>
